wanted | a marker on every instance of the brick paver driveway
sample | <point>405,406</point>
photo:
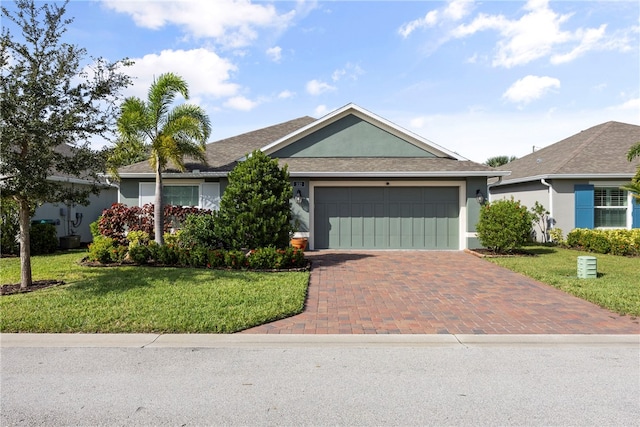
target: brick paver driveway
<point>425,292</point>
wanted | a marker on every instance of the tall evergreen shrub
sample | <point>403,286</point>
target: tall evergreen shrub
<point>255,210</point>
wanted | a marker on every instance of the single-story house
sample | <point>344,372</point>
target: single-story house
<point>359,182</point>
<point>578,179</point>
<point>72,219</point>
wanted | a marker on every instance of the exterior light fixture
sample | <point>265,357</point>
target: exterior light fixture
<point>480,197</point>
<point>298,197</point>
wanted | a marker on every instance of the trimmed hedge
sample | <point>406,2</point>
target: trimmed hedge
<point>615,242</point>
<point>106,250</point>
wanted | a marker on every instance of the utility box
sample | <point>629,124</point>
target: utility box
<point>70,242</point>
<point>587,267</point>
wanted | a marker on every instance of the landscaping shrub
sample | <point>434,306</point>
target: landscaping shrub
<point>199,230</point>
<point>264,259</point>
<point>556,236</point>
<point>105,250</point>
<point>9,226</point>
<point>139,254</point>
<point>615,242</point>
<point>137,238</point>
<point>120,219</point>
<point>255,210</point>
<point>216,258</point>
<point>165,254</point>
<point>193,257</point>
<point>43,239</point>
<point>235,259</point>
<point>504,225</point>
<point>94,227</point>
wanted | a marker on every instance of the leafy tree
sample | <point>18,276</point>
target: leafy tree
<point>634,185</point>
<point>163,133</point>
<point>255,210</point>
<point>50,106</point>
<point>504,225</point>
<point>497,161</point>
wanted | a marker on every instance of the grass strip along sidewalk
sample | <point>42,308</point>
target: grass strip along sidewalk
<point>146,299</point>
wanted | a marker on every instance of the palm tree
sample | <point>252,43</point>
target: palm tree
<point>634,185</point>
<point>497,161</point>
<point>164,133</point>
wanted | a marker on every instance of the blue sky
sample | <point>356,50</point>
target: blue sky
<point>479,78</point>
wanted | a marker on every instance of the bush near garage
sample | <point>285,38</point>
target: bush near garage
<point>504,225</point>
<point>615,242</point>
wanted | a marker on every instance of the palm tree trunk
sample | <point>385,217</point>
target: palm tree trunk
<point>158,209</point>
<point>25,244</point>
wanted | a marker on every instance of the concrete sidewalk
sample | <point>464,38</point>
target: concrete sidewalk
<point>253,340</point>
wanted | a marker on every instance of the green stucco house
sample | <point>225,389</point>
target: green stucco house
<point>359,182</point>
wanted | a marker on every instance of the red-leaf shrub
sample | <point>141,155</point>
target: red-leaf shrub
<point>119,219</point>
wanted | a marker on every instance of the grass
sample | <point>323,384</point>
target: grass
<point>146,299</point>
<point>617,287</point>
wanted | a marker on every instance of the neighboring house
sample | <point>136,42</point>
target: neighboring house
<point>74,219</point>
<point>359,182</point>
<point>578,179</point>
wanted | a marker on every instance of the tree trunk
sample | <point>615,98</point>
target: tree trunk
<point>158,209</point>
<point>25,244</point>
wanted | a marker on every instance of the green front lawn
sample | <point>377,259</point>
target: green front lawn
<point>146,299</point>
<point>617,287</point>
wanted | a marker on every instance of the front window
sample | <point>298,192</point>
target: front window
<point>610,207</point>
<point>180,195</point>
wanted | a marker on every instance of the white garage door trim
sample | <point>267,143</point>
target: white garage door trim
<point>462,198</point>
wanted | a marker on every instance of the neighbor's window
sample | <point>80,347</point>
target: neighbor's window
<point>610,207</point>
<point>180,195</point>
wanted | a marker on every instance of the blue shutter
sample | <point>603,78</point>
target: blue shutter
<point>635,215</point>
<point>584,205</point>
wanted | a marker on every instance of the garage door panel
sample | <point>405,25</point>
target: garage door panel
<point>386,218</point>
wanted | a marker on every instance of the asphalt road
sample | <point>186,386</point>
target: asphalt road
<point>322,381</point>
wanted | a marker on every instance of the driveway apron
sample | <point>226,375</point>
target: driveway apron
<point>432,292</point>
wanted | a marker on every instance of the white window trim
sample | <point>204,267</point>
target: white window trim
<point>213,204</point>
<point>628,207</point>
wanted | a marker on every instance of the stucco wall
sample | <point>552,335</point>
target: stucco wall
<point>90,213</point>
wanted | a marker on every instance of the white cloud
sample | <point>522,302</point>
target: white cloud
<point>320,110</point>
<point>240,103</point>
<point>538,33</point>
<point>316,87</point>
<point>232,23</point>
<point>275,53</point>
<point>206,73</point>
<point>631,104</point>
<point>285,94</point>
<point>350,71</point>
<point>429,20</point>
<point>530,88</point>
<point>455,10</point>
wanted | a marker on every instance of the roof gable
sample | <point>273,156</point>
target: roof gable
<point>354,132</point>
<point>598,151</point>
<point>351,136</point>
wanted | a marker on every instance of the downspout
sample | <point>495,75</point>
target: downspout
<point>489,186</point>
<point>551,217</point>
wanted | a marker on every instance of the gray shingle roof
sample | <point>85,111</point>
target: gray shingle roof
<point>598,151</point>
<point>223,155</point>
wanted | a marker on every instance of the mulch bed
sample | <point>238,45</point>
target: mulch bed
<point>37,285</point>
<point>488,253</point>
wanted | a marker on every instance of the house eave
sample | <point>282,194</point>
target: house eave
<point>400,174</point>
<point>144,175</point>
<point>563,176</point>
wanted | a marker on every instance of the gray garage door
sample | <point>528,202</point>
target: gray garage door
<point>386,218</point>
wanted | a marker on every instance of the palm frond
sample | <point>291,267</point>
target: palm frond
<point>163,92</point>
<point>634,152</point>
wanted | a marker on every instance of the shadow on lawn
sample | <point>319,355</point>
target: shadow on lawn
<point>105,280</point>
